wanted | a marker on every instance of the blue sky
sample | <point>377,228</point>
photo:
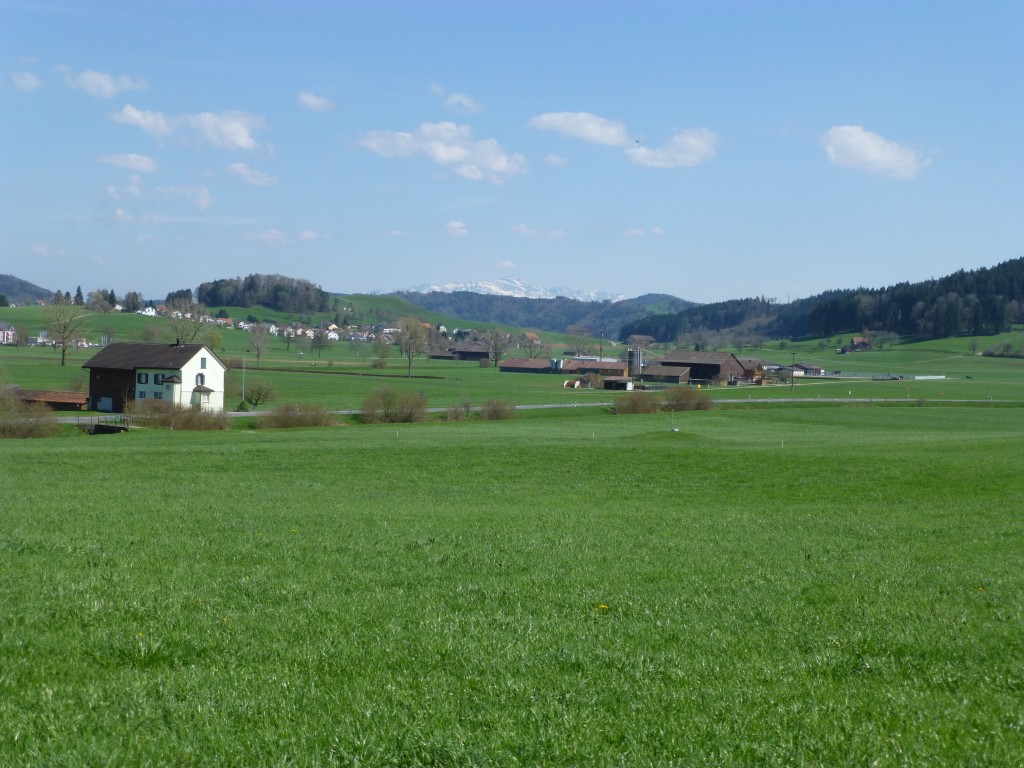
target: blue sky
<point>710,149</point>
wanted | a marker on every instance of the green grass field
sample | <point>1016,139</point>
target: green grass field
<point>794,585</point>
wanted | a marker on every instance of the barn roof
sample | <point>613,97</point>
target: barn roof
<point>685,357</point>
<point>51,396</point>
<point>129,356</point>
<point>665,370</point>
<point>523,362</point>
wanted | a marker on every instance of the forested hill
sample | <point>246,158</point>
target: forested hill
<point>20,291</point>
<point>285,294</point>
<point>982,301</point>
<point>556,315</point>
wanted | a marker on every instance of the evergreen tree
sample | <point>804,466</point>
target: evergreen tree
<point>79,298</point>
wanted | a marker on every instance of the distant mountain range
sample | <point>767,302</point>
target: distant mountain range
<point>516,287</point>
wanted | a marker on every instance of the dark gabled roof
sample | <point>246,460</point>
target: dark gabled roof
<point>128,357</point>
<point>683,357</point>
<point>523,362</point>
<point>665,370</point>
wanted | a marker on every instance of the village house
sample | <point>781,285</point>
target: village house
<point>7,334</point>
<point>181,374</point>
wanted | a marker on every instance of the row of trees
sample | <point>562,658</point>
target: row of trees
<point>100,300</point>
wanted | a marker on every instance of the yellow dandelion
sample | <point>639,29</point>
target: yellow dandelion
<point>602,607</point>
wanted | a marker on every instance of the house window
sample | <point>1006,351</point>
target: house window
<point>142,394</point>
<point>200,379</point>
<point>158,395</point>
<point>158,378</point>
<point>142,378</point>
<point>202,362</point>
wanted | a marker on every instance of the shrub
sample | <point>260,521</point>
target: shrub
<point>638,402</point>
<point>495,410</point>
<point>454,413</point>
<point>387,405</point>
<point>161,414</point>
<point>686,399</point>
<point>243,406</point>
<point>21,419</point>
<point>296,415</point>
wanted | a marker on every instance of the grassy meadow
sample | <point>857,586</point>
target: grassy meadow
<point>794,585</point>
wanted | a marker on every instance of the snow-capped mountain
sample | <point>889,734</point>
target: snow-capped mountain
<point>515,286</point>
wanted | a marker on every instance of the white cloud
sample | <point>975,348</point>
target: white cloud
<point>100,84</point>
<point>196,195</point>
<point>641,232</point>
<point>507,264</point>
<point>556,160</point>
<point>130,191</point>
<point>25,81</point>
<point>315,103</point>
<point>685,149</point>
<point>130,162</point>
<point>251,175</point>
<point>549,234</point>
<point>269,236</point>
<point>227,130</point>
<point>457,229</point>
<point>122,215</point>
<point>462,103</point>
<point>452,145</point>
<point>583,125</point>
<point>850,146</point>
<point>309,234</point>
<point>156,124</point>
<point>224,130</point>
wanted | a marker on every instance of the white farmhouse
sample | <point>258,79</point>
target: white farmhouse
<point>182,374</point>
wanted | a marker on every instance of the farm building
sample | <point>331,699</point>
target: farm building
<point>717,367</point>
<point>54,399</point>
<point>667,374</point>
<point>527,365</point>
<point>602,367</point>
<point>182,374</point>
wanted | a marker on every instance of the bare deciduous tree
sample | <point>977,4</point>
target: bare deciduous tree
<point>187,321</point>
<point>412,339</point>
<point>580,339</point>
<point>531,343</point>
<point>498,342</point>
<point>66,321</point>
<point>381,350</point>
<point>259,392</point>
<point>258,340</point>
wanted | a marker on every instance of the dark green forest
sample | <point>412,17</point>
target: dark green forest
<point>284,294</point>
<point>977,302</point>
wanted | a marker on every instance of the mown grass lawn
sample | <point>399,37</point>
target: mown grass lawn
<point>812,585</point>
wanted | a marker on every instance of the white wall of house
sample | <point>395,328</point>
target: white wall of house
<point>207,370</point>
<point>203,369</point>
